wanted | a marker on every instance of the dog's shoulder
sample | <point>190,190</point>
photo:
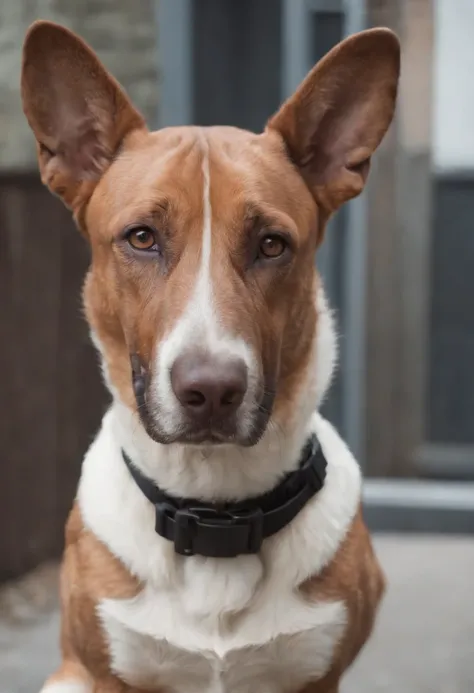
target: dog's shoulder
<point>94,564</point>
<point>355,578</point>
<point>89,573</point>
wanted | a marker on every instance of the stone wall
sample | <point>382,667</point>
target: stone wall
<point>123,32</point>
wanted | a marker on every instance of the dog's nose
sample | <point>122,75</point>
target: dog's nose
<point>209,387</point>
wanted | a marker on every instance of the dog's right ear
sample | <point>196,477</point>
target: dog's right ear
<point>338,116</point>
<point>78,112</point>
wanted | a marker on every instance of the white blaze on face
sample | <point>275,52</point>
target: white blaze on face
<point>199,326</point>
<point>202,301</point>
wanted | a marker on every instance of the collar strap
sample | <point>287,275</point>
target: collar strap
<point>226,530</point>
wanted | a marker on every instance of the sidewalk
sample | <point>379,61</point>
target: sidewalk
<point>424,641</point>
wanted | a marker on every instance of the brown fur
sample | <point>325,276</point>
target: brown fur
<point>89,573</point>
<point>96,153</point>
<point>269,308</point>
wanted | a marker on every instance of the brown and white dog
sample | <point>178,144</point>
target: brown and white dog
<point>217,346</point>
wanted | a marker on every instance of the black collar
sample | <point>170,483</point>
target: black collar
<point>227,530</point>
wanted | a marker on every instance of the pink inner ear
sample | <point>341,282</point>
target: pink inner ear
<point>83,146</point>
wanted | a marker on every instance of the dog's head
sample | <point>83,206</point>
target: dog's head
<point>201,290</point>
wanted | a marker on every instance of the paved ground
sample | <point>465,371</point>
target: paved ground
<point>424,642</point>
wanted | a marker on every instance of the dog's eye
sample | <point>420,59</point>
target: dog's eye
<point>272,246</point>
<point>142,238</point>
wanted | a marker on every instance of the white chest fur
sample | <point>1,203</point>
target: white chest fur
<point>276,646</point>
<point>219,625</point>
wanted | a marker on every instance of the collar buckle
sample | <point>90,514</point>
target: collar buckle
<point>184,521</point>
<point>207,522</point>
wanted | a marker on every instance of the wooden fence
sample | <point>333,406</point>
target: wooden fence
<point>51,397</point>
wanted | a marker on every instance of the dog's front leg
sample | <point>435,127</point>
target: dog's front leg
<point>71,677</point>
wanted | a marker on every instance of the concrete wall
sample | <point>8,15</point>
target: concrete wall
<point>123,32</point>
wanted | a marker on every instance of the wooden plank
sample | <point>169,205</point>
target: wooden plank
<point>51,394</point>
<point>30,371</point>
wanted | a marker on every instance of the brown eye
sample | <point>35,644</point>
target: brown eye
<point>272,246</point>
<point>142,238</point>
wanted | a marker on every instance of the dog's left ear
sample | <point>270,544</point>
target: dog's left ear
<point>78,112</point>
<point>338,116</point>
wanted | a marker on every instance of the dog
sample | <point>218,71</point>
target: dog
<point>216,542</point>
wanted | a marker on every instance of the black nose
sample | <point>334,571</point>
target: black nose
<point>209,388</point>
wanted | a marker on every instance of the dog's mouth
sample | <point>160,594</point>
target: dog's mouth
<point>243,427</point>
<point>203,436</point>
<point>214,434</point>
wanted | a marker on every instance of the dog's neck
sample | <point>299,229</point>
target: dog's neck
<point>231,472</point>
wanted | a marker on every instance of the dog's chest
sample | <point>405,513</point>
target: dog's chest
<point>226,636</point>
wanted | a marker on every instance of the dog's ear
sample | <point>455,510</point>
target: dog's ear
<point>338,116</point>
<point>79,114</point>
